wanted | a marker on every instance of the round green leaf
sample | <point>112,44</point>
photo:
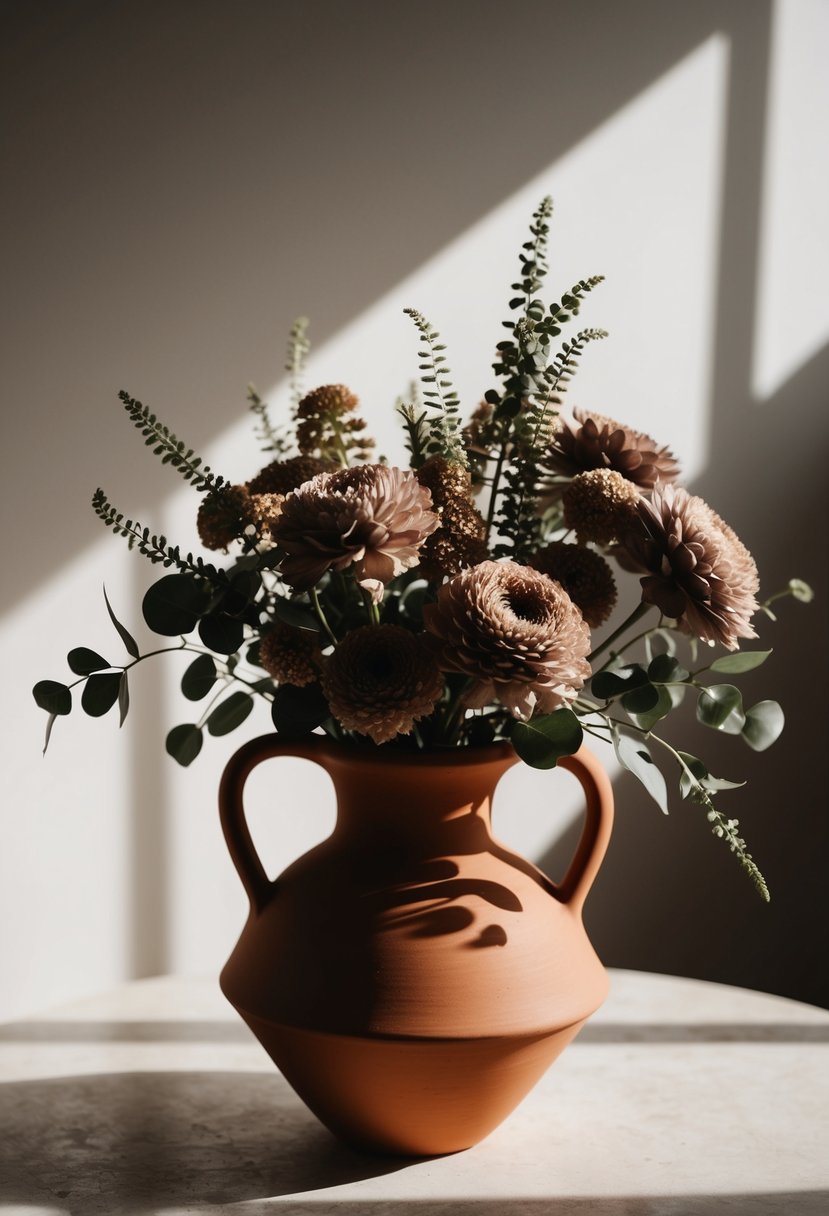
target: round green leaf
<point>229,713</point>
<point>298,711</point>
<point>173,605</point>
<point>184,743</point>
<point>55,698</point>
<point>83,661</point>
<point>764,722</point>
<point>224,634</point>
<point>740,661</point>
<point>641,699</point>
<point>199,678</point>
<point>664,669</point>
<point>607,684</point>
<point>301,616</point>
<point>100,693</point>
<point>633,754</point>
<point>721,707</point>
<point>663,706</point>
<point>543,741</point>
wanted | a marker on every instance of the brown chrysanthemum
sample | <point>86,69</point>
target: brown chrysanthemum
<point>380,680</point>
<point>374,517</point>
<point>584,575</point>
<point>327,425</point>
<point>283,476</point>
<point>698,571</point>
<point>290,655</point>
<point>460,541</point>
<point>591,441</point>
<point>515,632</point>
<point>600,505</point>
<point>224,515</point>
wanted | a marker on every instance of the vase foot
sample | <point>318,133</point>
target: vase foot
<point>409,1097</point>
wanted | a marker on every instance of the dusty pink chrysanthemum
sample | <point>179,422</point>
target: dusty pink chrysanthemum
<point>372,517</point>
<point>515,632</point>
<point>380,680</point>
<point>698,572</point>
<point>591,441</point>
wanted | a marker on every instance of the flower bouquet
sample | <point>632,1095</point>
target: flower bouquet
<point>453,603</point>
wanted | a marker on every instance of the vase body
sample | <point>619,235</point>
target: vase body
<point>411,977</point>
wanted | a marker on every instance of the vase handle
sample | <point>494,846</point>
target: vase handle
<point>232,811</point>
<point>595,837</point>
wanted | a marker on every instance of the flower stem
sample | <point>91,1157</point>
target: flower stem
<point>323,620</point>
<point>638,612</point>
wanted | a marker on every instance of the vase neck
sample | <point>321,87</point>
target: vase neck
<point>428,800</point>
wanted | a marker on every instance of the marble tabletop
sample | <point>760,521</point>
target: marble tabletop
<point>679,1098</point>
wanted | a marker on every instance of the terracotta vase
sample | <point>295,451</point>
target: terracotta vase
<point>411,977</point>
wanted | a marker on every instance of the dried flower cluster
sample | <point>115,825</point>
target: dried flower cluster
<point>452,602</point>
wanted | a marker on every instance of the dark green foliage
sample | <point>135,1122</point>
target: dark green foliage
<point>437,433</point>
<point>100,693</point>
<point>229,713</point>
<point>173,605</point>
<point>55,698</point>
<point>298,711</point>
<point>83,661</point>
<point>153,547</point>
<point>126,637</point>
<point>172,450</point>
<point>184,743</point>
<point>544,740</point>
<point>199,678</point>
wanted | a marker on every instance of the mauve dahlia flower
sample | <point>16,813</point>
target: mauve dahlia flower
<point>515,632</point>
<point>698,572</point>
<point>374,517</point>
<point>380,679</point>
<point>591,441</point>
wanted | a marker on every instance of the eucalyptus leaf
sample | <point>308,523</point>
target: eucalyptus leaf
<point>298,711</point>
<point>763,724</point>
<point>640,700</point>
<point>173,605</point>
<point>664,669</point>
<point>55,698</point>
<point>124,634</point>
<point>199,678</point>
<point>229,713</point>
<point>543,741</point>
<point>184,743</point>
<point>659,710</point>
<point>608,683</point>
<point>48,735</point>
<point>659,642</point>
<point>633,754</point>
<point>83,661</point>
<point>696,769</point>
<point>740,661</point>
<point>720,706</point>
<point>100,693</point>
<point>123,698</point>
<point>301,616</point>
<point>224,634</point>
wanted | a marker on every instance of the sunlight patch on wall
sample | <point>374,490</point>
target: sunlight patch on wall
<point>638,201</point>
<point>792,313</point>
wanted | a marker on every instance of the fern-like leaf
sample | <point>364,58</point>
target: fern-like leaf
<point>299,346</point>
<point>270,439</point>
<point>171,449</point>
<point>443,425</point>
<point>153,547</point>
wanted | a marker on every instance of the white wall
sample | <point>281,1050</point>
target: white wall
<point>191,176</point>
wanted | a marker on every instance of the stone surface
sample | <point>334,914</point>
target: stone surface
<point>679,1098</point>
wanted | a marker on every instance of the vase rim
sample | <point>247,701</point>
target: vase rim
<point>499,752</point>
